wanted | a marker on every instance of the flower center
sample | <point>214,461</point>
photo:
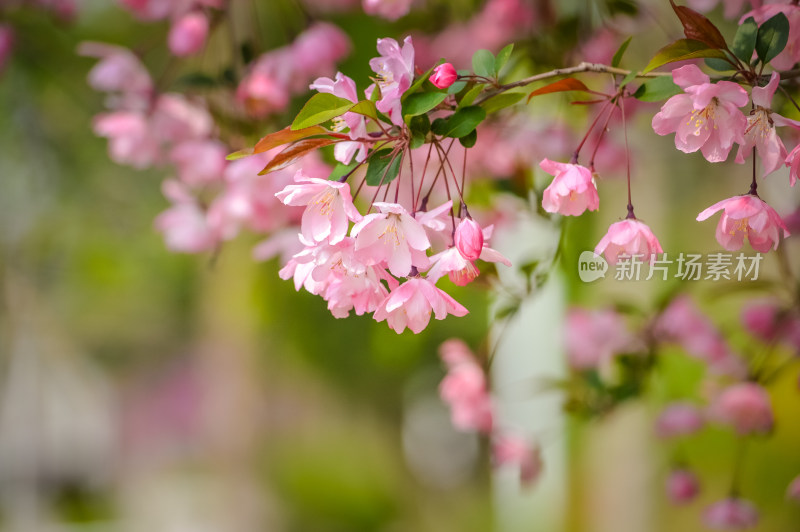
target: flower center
<point>390,231</point>
<point>324,201</point>
<point>740,226</point>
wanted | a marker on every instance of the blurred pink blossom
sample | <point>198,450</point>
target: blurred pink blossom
<point>731,514</point>
<point>593,337</point>
<point>515,451</point>
<point>184,224</point>
<point>118,70</point>
<point>130,138</point>
<point>679,419</point>
<point>388,9</point>
<point>793,490</point>
<point>769,322</point>
<point>682,486</point>
<point>6,45</point>
<point>746,407</point>
<point>188,34</point>
<point>464,389</point>
<point>199,162</point>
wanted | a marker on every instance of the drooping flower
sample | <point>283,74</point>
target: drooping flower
<point>760,132</point>
<point>682,486</point>
<point>329,207</point>
<point>706,117</point>
<point>453,261</point>
<point>679,419</point>
<point>468,238</point>
<point>793,162</point>
<point>629,238</point>
<point>345,87</point>
<point>749,216</point>
<point>410,305</point>
<point>187,35</point>
<point>593,337</point>
<point>395,71</point>
<point>388,9</point>
<point>443,76</point>
<point>744,406</point>
<point>731,514</point>
<point>465,391</point>
<point>509,450</point>
<point>392,237</point>
<point>572,191</point>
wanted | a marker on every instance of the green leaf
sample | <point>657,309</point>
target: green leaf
<point>681,50</point>
<point>458,86</point>
<point>247,152</point>
<point>744,42</point>
<point>320,108</point>
<point>483,63</point>
<point>366,108</point>
<point>420,126</point>
<point>419,81</point>
<point>720,65</point>
<point>502,58</point>
<point>620,52</point>
<point>628,78</point>
<point>469,141</point>
<point>461,123</point>
<point>422,102</point>
<point>197,80</point>
<point>772,37</point>
<point>501,101</point>
<point>341,170</point>
<point>657,89</point>
<point>471,94</point>
<point>382,167</point>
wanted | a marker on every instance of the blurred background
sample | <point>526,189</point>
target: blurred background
<point>142,389</point>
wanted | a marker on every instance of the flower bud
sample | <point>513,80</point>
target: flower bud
<point>682,486</point>
<point>469,239</point>
<point>443,76</point>
<point>744,406</point>
<point>188,34</point>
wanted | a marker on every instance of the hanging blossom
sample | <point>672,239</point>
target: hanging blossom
<point>388,9</point>
<point>793,162</point>
<point>411,304</point>
<point>745,407</point>
<point>572,191</point>
<point>345,87</point>
<point>760,133</point>
<point>682,486</point>
<point>731,514</point>
<point>630,238</point>
<point>458,261</point>
<point>746,216</point>
<point>464,389</point>
<point>706,117</point>
<point>510,450</point>
<point>593,337</point>
<point>679,419</point>
<point>395,70</point>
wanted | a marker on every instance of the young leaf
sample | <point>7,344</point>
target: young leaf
<point>469,141</point>
<point>383,168</point>
<point>471,94</point>
<point>285,136</point>
<point>680,50</point>
<point>294,152</point>
<point>422,102</point>
<point>320,108</point>
<point>483,63</point>
<point>744,42</point>
<point>772,37</point>
<point>247,152</point>
<point>501,101</point>
<point>699,28</point>
<point>615,61</point>
<point>461,123</point>
<point>366,108</point>
<point>502,58</point>
<point>562,85</point>
<point>657,89</point>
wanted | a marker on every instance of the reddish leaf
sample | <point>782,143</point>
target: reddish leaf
<point>699,28</point>
<point>285,136</point>
<point>589,102</point>
<point>292,153</point>
<point>562,85</point>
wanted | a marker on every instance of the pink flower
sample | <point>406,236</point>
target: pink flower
<point>188,34</point>
<point>791,53</point>
<point>682,486</point>
<point>748,216</point>
<point>262,94</point>
<point>453,263</point>
<point>395,72</point>
<point>706,117</point>
<point>731,514</point>
<point>329,207</point>
<point>185,227</point>
<point>679,419</point>
<point>593,337</point>
<point>744,406</point>
<point>682,322</point>
<point>464,390</point>
<point>130,139</point>
<point>454,352</point>
<point>732,7</point>
<point>767,321</point>
<point>572,191</point>
<point>410,305</point>
<point>760,132</point>
<point>793,162</point>
<point>317,50</point>
<point>6,44</point>
<point>344,87</point>
<point>175,118</point>
<point>388,9</point>
<point>199,161</point>
<point>793,490</point>
<point>515,451</point>
<point>118,70</point>
<point>443,76</point>
<point>469,239</point>
<point>392,237</point>
<point>628,238</point>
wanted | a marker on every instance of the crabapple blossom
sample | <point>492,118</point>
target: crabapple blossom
<point>199,161</point>
<point>317,50</point>
<point>515,451</point>
<point>410,305</point>
<point>706,117</point>
<point>131,141</point>
<point>770,323</point>
<point>593,337</point>
<point>572,191</point>
<point>628,238</point>
<point>749,216</point>
<point>682,486</point>
<point>185,226</point>
<point>760,132</point>
<point>443,76</point>
<point>793,490</point>
<point>679,419</point>
<point>731,514</point>
<point>188,34</point>
<point>395,72</point>
<point>329,207</point>
<point>392,237</point>
<point>118,70</point>
<point>453,263</point>
<point>464,389</point>
<point>468,238</point>
<point>455,351</point>
<point>744,406</point>
<point>345,87</point>
<point>793,162</point>
<point>388,9</point>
